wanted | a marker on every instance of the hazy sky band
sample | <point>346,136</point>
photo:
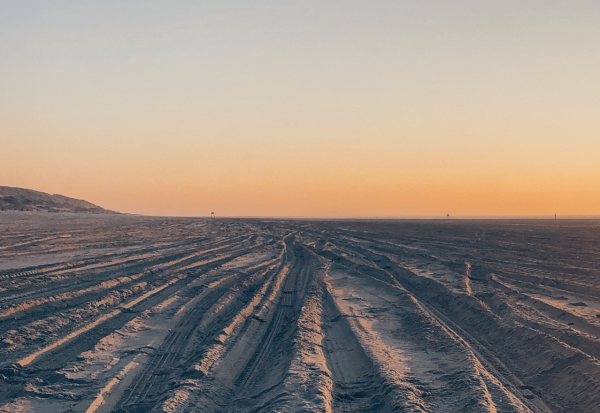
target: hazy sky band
<point>304,108</point>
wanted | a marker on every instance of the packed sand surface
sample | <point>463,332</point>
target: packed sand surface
<point>120,313</point>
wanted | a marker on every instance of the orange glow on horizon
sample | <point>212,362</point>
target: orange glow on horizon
<point>305,109</point>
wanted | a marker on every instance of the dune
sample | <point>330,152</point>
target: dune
<point>20,199</point>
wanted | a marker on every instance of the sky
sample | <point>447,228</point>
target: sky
<point>304,108</point>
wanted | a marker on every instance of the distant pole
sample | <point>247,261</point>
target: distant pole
<point>555,216</point>
<point>448,216</point>
<point>212,215</point>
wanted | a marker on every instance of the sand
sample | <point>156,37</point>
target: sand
<point>122,313</point>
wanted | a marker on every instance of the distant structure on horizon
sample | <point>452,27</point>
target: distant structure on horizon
<point>212,215</point>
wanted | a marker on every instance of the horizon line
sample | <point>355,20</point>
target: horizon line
<point>406,217</point>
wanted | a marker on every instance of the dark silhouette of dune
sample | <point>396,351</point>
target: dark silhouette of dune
<point>20,199</point>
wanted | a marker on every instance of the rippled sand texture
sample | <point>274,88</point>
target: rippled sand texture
<point>134,314</point>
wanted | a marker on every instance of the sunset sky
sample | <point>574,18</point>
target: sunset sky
<point>304,108</point>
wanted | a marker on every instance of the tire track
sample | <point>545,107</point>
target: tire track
<point>349,316</point>
<point>81,297</point>
<point>151,385</point>
<point>481,352</point>
<point>44,362</point>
